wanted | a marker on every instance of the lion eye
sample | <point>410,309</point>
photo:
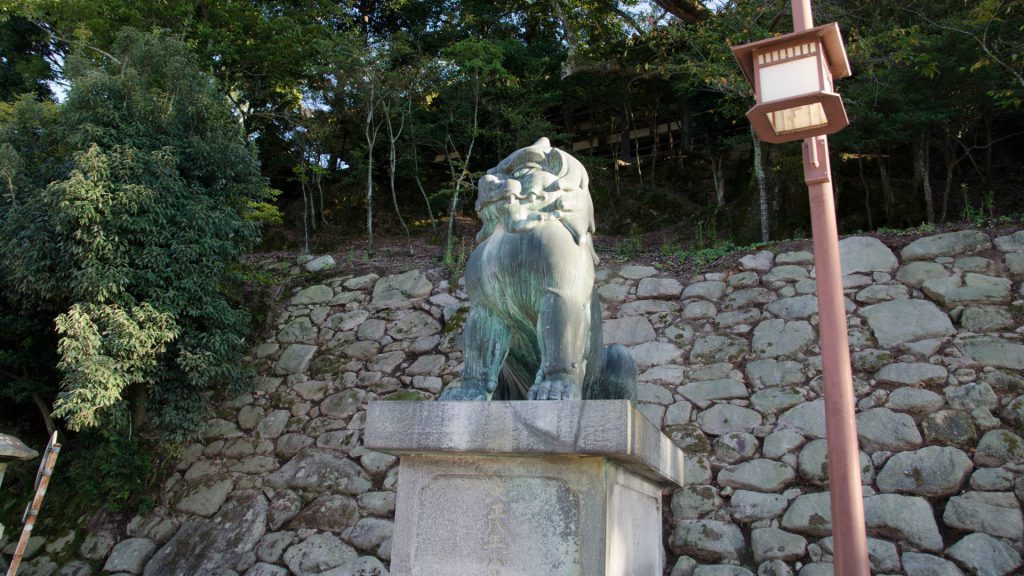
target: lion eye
<point>522,172</point>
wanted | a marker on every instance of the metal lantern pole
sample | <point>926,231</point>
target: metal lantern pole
<point>850,541</point>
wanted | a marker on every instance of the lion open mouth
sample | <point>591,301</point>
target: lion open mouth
<point>523,215</point>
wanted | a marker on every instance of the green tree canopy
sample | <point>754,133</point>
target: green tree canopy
<point>24,53</point>
<point>647,93</point>
<point>127,204</point>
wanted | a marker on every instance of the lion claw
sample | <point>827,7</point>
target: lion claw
<point>468,391</point>
<point>554,390</point>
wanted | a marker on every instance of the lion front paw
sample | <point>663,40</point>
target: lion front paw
<point>554,390</point>
<point>467,391</point>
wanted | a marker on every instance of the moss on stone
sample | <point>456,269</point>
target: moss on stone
<point>415,395</point>
<point>327,365</point>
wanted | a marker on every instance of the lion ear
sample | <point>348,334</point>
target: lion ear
<point>554,162</point>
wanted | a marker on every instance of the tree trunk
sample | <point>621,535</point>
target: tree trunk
<point>308,170</point>
<point>684,133</point>
<point>719,179</point>
<point>915,176</point>
<point>416,171</point>
<point>137,395</point>
<point>770,158</point>
<point>318,180</point>
<point>305,208</point>
<point>762,195</point>
<point>654,142</point>
<point>867,192</point>
<point>452,211</point>
<point>636,150</point>
<point>450,241</point>
<point>393,136</point>
<point>369,198</point>
<point>371,137</point>
<point>685,127</point>
<point>835,199</point>
<point>419,184</point>
<point>44,410</point>
<point>988,152</point>
<point>887,196</point>
<point>672,142</point>
<point>10,189</point>
<point>921,175</point>
<point>618,184</point>
<point>949,152</point>
<point>624,153</point>
<point>571,40</point>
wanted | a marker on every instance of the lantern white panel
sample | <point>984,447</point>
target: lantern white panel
<point>827,75</point>
<point>799,118</point>
<point>788,79</point>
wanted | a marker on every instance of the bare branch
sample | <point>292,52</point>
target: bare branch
<point>689,11</point>
<point>54,36</point>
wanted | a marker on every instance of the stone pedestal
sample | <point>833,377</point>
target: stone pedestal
<point>542,488</point>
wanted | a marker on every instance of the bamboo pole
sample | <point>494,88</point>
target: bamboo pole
<point>32,511</point>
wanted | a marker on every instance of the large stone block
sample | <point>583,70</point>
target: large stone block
<point>526,487</point>
<point>948,244</point>
<point>865,254</point>
<point>208,545</point>
<point>898,321</point>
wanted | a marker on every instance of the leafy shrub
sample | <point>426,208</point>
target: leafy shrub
<point>128,203</point>
<point>113,469</point>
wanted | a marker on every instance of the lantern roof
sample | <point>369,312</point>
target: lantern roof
<point>13,449</point>
<point>828,34</point>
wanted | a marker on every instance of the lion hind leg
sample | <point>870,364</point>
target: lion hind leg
<point>486,338</point>
<point>618,379</point>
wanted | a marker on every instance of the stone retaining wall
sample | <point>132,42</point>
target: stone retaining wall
<point>730,369</point>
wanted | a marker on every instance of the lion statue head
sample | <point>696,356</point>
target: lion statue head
<point>534,185</point>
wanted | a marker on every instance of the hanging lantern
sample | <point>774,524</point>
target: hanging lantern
<point>793,77</point>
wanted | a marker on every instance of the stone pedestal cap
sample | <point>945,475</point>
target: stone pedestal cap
<point>614,429</point>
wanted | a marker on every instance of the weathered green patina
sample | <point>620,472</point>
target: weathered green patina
<point>534,331</point>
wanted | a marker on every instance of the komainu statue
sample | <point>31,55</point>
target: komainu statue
<point>534,329</point>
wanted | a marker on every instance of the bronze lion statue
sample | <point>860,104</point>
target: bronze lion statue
<point>534,329</point>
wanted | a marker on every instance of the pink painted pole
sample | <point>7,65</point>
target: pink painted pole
<point>849,538</point>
